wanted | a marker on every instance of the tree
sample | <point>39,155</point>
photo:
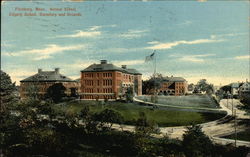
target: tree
<point>110,116</point>
<point>203,86</point>
<point>56,92</point>
<point>7,89</point>
<point>196,143</point>
<point>121,91</point>
<point>152,84</point>
<point>8,100</point>
<point>226,89</point>
<point>33,93</point>
<point>129,94</point>
<point>145,127</point>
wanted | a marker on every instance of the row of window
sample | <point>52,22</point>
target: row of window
<point>89,82</point>
<point>89,90</point>
<point>98,74</point>
<point>98,97</point>
<point>108,82</point>
<point>107,74</point>
<point>89,75</point>
<point>178,83</point>
<point>125,76</point>
<point>98,90</point>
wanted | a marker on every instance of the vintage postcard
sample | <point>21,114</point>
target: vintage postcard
<point>125,78</point>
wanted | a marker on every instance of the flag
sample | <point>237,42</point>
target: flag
<point>150,57</point>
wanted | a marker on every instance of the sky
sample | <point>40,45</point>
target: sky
<point>193,40</point>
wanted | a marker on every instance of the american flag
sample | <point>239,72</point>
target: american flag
<point>150,57</point>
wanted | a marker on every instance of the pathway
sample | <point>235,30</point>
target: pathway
<point>214,129</point>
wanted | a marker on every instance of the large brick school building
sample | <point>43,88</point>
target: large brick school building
<point>107,81</point>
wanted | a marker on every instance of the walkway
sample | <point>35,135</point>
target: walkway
<point>214,129</point>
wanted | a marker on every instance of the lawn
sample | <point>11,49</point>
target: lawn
<point>130,112</point>
<point>244,136</point>
<point>196,101</point>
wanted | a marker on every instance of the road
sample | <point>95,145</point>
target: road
<point>214,129</point>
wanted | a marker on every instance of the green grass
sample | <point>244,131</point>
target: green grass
<point>197,101</point>
<point>130,112</point>
<point>244,136</point>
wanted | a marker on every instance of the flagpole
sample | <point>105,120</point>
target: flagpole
<point>155,79</point>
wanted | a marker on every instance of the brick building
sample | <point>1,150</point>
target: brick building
<point>44,79</point>
<point>107,81</point>
<point>173,86</point>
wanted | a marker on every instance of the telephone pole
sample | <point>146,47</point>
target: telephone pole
<point>235,129</point>
<point>154,79</point>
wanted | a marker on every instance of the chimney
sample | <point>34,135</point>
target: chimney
<point>124,66</point>
<point>103,61</point>
<point>39,70</point>
<point>57,70</point>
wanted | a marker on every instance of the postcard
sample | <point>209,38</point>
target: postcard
<point>125,78</point>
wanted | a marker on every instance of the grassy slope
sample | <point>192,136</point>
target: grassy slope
<point>244,136</point>
<point>187,101</point>
<point>130,112</point>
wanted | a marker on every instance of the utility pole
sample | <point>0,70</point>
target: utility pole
<point>227,99</point>
<point>232,105</point>
<point>235,129</point>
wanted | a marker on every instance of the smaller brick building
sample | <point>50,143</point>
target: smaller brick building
<point>44,79</point>
<point>173,86</point>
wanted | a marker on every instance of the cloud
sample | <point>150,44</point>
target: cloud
<point>159,46</point>
<point>242,57</point>
<point>193,58</point>
<point>185,23</point>
<point>80,64</point>
<point>19,74</point>
<point>46,52</point>
<point>201,0</point>
<point>131,34</point>
<point>91,32</point>
<point>128,62</point>
<point>4,44</point>
<point>122,50</point>
<point>213,36</point>
<point>153,42</point>
<point>216,80</point>
<point>93,28</point>
<point>42,57</point>
<point>80,34</point>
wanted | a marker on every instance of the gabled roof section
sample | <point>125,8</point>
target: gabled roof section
<point>133,71</point>
<point>104,66</point>
<point>47,76</point>
<point>78,80</point>
<point>173,79</point>
<point>235,85</point>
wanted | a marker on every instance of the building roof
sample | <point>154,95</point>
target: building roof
<point>246,84</point>
<point>173,79</point>
<point>47,76</point>
<point>235,85</point>
<point>104,66</point>
<point>78,80</point>
<point>133,71</point>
